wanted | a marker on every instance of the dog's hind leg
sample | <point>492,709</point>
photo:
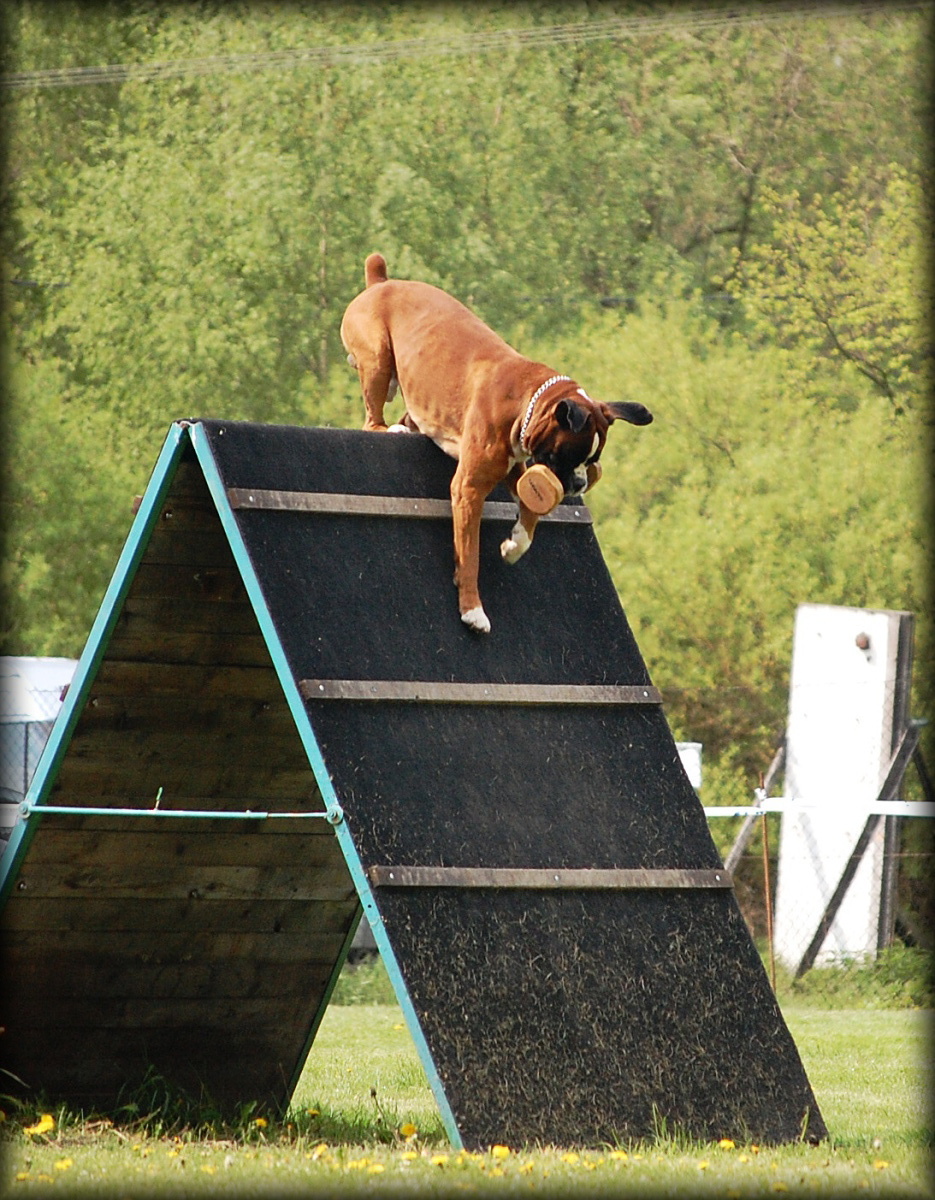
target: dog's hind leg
<point>378,386</point>
<point>394,382</point>
<point>372,357</point>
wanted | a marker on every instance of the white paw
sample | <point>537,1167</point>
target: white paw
<point>476,618</point>
<point>398,429</point>
<point>516,545</point>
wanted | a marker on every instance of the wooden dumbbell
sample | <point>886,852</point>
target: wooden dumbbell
<point>539,489</point>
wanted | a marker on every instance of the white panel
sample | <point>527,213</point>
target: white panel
<point>690,754</point>
<point>839,739</point>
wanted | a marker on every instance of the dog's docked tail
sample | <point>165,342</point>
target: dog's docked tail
<point>375,269</point>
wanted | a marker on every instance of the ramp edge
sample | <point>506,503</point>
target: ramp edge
<point>147,515</point>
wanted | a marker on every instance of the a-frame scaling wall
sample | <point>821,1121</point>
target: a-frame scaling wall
<point>279,720</point>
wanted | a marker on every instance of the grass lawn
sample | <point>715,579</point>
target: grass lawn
<point>363,1120</point>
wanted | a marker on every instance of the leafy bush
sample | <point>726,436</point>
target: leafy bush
<point>364,982</point>
<point>900,977</point>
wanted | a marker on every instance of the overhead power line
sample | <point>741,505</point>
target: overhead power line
<point>468,43</point>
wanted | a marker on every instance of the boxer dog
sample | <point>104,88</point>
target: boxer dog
<point>479,400</point>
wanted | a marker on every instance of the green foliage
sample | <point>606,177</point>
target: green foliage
<point>900,977</point>
<point>364,982</point>
<point>743,499</point>
<point>68,507</point>
<point>849,275</point>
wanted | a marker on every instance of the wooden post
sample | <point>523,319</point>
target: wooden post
<point>898,764</point>
<point>745,833</point>
<point>892,826</point>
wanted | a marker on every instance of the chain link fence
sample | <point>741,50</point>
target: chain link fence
<point>832,871</point>
<point>855,928</point>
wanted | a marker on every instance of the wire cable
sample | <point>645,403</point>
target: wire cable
<point>471,43</point>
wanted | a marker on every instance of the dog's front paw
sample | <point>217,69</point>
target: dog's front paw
<point>477,620</point>
<point>516,545</point>
<point>398,429</point>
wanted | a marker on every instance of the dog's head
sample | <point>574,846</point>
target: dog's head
<point>571,433</point>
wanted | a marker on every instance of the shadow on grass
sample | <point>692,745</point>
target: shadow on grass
<point>157,1108</point>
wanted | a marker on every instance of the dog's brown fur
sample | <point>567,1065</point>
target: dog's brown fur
<point>469,391</point>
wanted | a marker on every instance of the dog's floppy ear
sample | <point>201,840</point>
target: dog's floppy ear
<point>627,410</point>
<point>571,416</point>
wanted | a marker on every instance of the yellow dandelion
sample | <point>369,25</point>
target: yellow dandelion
<point>880,1165</point>
<point>358,1164</point>
<point>526,1168</point>
<point>63,1164</point>
<point>590,1166</point>
<point>208,1170</point>
<point>703,1165</point>
<point>779,1186</point>
<point>726,1144</point>
<point>22,1176</point>
<point>438,1160</point>
<point>375,1168</point>
<point>743,1158</point>
<point>261,1122</point>
<point>45,1123</point>
<point>500,1151</point>
<point>619,1155</point>
<point>319,1150</point>
<point>408,1130</point>
<point>570,1157</point>
<point>497,1171</point>
<point>172,1153</point>
<point>409,1156</point>
<point>312,1112</point>
<point>399,1025</point>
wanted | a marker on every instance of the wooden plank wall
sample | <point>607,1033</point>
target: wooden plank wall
<point>199,948</point>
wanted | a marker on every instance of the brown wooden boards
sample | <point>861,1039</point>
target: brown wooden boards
<point>201,949</point>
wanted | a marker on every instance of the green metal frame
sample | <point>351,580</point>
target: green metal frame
<point>51,758</point>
